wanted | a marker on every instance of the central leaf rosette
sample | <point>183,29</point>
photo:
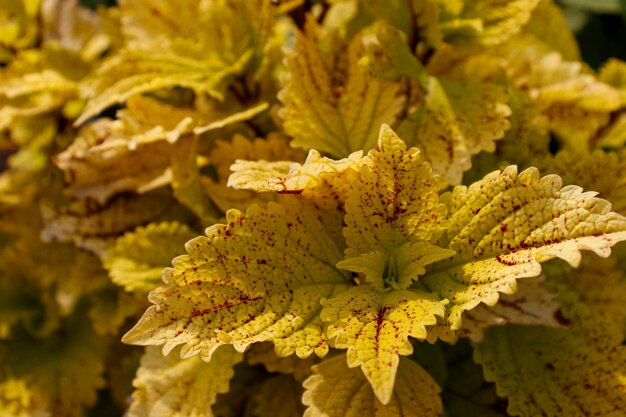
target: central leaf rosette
<point>363,254</point>
<point>393,216</point>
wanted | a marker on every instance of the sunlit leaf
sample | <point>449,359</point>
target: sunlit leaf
<point>503,226</point>
<point>375,328</point>
<point>201,310</point>
<point>393,214</point>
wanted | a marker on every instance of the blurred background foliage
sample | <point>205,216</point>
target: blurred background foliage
<point>599,25</point>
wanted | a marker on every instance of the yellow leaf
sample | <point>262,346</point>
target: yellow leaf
<point>554,372</point>
<point>526,143</point>
<point>163,51</point>
<point>94,226</point>
<point>134,152</point>
<point>549,23</point>
<point>24,176</point>
<point>528,139</point>
<point>419,20</point>
<point>485,22</point>
<point>503,226</point>
<point>273,154</point>
<point>95,167</point>
<point>199,309</point>
<point>73,27</point>
<point>186,180</point>
<point>601,287</point>
<point>334,390</point>
<point>613,73</point>
<point>39,81</point>
<point>377,329</point>
<point>335,110</point>
<point>170,386</point>
<point>448,119</point>
<point>17,400</point>
<point>394,200</point>
<point>138,258</point>
<point>321,181</point>
<point>110,309</point>
<point>295,178</point>
<point>603,172</point>
<point>576,103</point>
<point>18,24</point>
<point>130,73</point>
<point>231,28</point>
<point>614,134</point>
<point>42,282</point>
<point>458,119</point>
<point>392,214</point>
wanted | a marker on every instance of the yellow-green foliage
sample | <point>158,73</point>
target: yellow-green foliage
<point>308,208</point>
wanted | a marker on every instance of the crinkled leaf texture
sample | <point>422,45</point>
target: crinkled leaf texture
<point>503,226</point>
<point>334,390</point>
<point>258,278</point>
<point>375,328</point>
<point>393,214</point>
<point>170,386</point>
<point>419,259</point>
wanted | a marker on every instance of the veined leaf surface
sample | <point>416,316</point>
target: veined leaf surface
<point>503,226</point>
<point>331,117</point>
<point>258,278</point>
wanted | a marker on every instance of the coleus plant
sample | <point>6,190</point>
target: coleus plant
<point>410,265</point>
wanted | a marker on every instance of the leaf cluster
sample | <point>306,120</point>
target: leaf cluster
<point>309,208</point>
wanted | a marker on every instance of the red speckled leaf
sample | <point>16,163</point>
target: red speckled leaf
<point>258,278</point>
